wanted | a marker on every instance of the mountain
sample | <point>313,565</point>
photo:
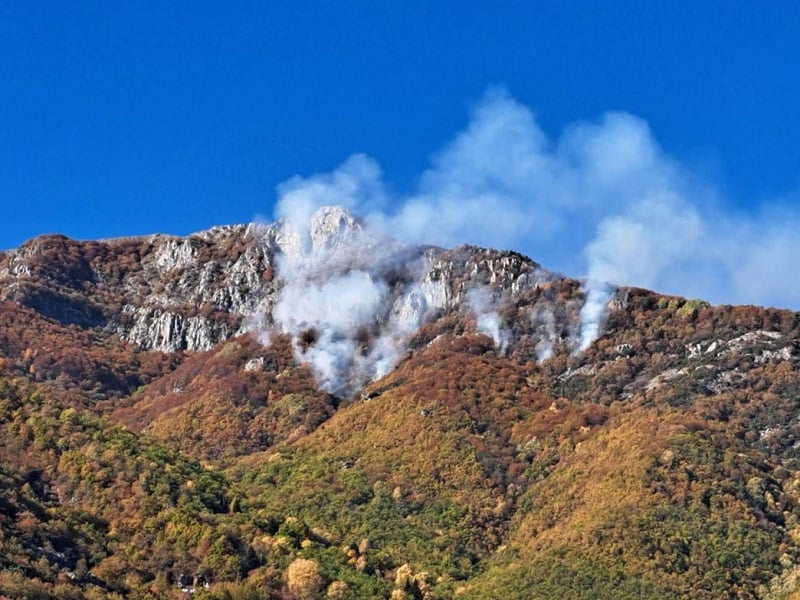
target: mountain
<point>311,409</point>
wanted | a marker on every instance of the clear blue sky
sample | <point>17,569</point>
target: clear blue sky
<point>131,117</point>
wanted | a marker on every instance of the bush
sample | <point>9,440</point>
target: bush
<point>303,578</point>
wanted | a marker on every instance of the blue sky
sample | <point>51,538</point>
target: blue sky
<point>140,117</point>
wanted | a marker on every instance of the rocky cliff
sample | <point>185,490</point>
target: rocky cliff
<point>315,410</point>
<point>168,293</point>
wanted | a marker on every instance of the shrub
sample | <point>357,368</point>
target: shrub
<point>303,578</point>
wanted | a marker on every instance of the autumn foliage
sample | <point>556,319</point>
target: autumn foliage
<point>663,462</point>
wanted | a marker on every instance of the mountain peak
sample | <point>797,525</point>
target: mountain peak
<point>668,450</point>
<point>326,229</point>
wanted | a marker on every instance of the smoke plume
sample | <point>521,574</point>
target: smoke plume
<point>601,201</point>
<point>351,297</point>
<point>487,317</point>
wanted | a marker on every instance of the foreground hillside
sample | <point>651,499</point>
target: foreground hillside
<point>164,433</point>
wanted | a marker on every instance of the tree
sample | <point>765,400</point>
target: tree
<point>303,578</point>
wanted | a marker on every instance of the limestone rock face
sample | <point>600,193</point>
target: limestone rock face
<point>330,229</point>
<point>171,332</point>
<point>171,293</point>
<point>333,227</point>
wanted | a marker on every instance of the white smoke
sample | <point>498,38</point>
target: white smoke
<point>330,313</point>
<point>653,237</point>
<point>601,200</point>
<point>545,324</point>
<point>487,318</point>
<point>356,184</point>
<point>340,301</point>
<point>594,311</point>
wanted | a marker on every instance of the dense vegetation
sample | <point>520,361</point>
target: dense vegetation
<point>664,462</point>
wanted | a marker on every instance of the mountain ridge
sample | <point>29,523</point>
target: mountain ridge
<point>190,293</point>
<point>196,416</point>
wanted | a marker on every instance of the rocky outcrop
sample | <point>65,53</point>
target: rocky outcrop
<point>171,332</point>
<point>172,293</point>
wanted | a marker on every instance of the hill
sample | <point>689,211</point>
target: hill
<point>269,411</point>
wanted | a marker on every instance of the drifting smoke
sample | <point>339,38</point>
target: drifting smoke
<point>328,315</point>
<point>487,318</point>
<point>350,297</point>
<point>545,322</point>
<point>594,312</point>
<point>603,200</point>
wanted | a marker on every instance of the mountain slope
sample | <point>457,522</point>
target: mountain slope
<point>270,411</point>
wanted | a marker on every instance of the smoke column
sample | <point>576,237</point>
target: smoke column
<point>601,201</point>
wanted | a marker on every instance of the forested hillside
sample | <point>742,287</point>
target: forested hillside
<point>164,434</point>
